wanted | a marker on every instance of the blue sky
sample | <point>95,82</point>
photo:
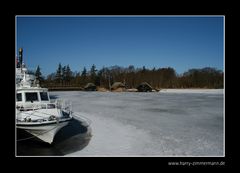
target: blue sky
<point>180,42</point>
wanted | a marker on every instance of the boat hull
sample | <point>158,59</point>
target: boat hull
<point>44,132</point>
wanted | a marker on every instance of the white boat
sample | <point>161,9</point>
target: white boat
<point>35,112</point>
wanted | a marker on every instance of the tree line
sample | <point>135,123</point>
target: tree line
<point>207,77</point>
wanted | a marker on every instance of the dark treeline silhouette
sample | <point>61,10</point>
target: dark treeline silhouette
<point>131,77</point>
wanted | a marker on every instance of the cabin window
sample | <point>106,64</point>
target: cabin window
<point>19,97</point>
<point>31,97</point>
<point>44,96</point>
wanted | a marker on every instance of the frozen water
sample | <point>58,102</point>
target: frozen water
<point>200,91</point>
<point>166,123</point>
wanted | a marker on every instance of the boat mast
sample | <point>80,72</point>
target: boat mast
<point>20,57</point>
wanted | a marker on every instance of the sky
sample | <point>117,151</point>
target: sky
<point>180,42</point>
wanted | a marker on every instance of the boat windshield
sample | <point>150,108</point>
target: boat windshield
<point>31,96</point>
<point>19,97</point>
<point>44,96</point>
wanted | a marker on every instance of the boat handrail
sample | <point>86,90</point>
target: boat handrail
<point>58,104</point>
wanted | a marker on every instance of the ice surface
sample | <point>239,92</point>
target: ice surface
<point>207,91</point>
<point>166,123</point>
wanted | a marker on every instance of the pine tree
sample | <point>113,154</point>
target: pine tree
<point>58,76</point>
<point>84,76</point>
<point>93,71</point>
<point>64,75</point>
<point>68,74</point>
<point>38,72</point>
<point>38,75</point>
<point>93,75</point>
<point>84,72</point>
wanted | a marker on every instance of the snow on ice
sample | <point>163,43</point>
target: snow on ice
<point>167,123</point>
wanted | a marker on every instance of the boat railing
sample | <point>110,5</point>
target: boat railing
<point>64,105</point>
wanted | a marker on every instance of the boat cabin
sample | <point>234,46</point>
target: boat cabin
<point>32,97</point>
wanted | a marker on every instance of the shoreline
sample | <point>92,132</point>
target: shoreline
<point>193,90</point>
<point>163,90</point>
